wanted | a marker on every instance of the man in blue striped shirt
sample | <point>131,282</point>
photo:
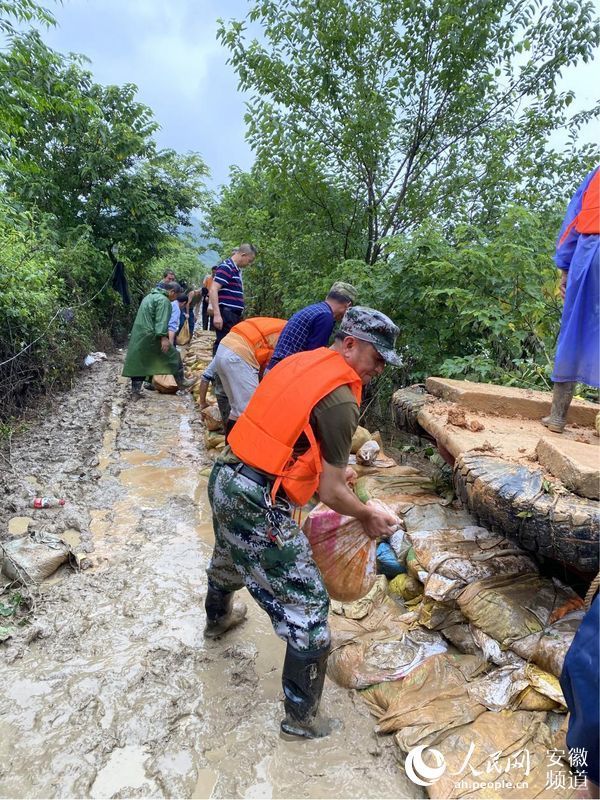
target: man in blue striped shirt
<point>226,294</point>
<point>311,327</point>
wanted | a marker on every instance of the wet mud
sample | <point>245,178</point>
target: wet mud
<point>111,690</point>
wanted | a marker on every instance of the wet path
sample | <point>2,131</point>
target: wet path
<point>112,691</point>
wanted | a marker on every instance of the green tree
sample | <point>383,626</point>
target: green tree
<point>480,304</point>
<point>85,154</point>
<point>419,108</point>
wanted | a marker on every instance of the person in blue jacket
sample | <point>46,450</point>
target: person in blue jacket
<point>580,682</point>
<point>577,255</point>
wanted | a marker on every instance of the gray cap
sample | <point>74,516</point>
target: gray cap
<point>372,326</point>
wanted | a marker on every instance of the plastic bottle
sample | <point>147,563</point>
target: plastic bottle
<point>47,502</point>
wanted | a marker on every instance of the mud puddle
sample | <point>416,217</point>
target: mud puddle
<point>112,691</point>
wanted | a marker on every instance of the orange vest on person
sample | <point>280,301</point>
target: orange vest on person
<point>279,412</point>
<point>255,331</point>
<point>588,219</point>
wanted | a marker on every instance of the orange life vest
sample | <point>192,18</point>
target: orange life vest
<point>279,412</point>
<point>255,331</point>
<point>588,219</point>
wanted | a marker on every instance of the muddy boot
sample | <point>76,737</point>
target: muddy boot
<point>561,400</point>
<point>221,613</point>
<point>302,679</point>
<point>136,388</point>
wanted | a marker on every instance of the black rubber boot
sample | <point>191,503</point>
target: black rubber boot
<point>561,400</point>
<point>302,679</point>
<point>221,614</point>
<point>136,388</point>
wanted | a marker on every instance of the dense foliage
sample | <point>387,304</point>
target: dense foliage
<point>424,151</point>
<point>83,185</point>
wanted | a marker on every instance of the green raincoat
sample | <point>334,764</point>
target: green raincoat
<point>144,356</point>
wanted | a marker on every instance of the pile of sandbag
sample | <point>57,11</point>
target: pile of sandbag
<point>462,648</point>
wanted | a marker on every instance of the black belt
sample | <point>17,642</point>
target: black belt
<point>252,474</point>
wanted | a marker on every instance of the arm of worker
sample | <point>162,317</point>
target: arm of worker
<point>335,493</point>
<point>161,325</point>
<point>213,299</point>
<point>173,323</point>
<point>564,275</point>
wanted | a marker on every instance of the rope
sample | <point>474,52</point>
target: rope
<point>60,311</point>
<point>591,592</point>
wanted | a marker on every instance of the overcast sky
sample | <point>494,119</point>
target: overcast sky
<point>168,48</point>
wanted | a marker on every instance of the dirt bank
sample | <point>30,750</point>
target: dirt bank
<point>111,690</point>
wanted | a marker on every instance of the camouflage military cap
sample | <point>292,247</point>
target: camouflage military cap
<point>346,289</point>
<point>372,326</point>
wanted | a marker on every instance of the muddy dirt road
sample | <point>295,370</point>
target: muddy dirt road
<point>111,691</point>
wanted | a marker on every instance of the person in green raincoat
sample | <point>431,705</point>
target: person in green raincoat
<point>150,352</point>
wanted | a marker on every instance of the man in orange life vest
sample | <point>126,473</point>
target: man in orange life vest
<point>293,439</point>
<point>241,356</point>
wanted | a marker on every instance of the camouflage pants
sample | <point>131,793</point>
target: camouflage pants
<point>285,582</point>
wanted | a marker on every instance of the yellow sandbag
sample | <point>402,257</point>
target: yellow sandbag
<point>184,336</point>
<point>214,440</point>
<point>509,608</point>
<point>165,384</point>
<point>504,752</point>
<point>432,699</point>
<point>361,436</point>
<point>405,586</point>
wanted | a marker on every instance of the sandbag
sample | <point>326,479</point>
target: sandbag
<point>405,586</point>
<point>437,614</point>
<point>400,544</point>
<point>212,418</point>
<point>33,558</point>
<point>509,744</point>
<point>392,488</point>
<point>368,453</point>
<point>184,335</point>
<point>510,608</point>
<point>214,441</point>
<point>413,567</point>
<point>549,648</point>
<point>378,647</point>
<point>364,606</point>
<point>344,553</point>
<point>431,700</point>
<point>165,384</point>
<point>363,662</point>
<point>456,557</point>
<point>361,436</point>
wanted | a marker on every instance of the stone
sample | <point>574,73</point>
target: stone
<point>577,465</point>
<point>508,401</point>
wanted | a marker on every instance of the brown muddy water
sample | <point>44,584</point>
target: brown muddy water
<point>111,691</point>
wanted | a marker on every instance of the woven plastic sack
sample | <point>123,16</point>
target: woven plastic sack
<point>165,384</point>
<point>33,558</point>
<point>456,557</point>
<point>432,700</point>
<point>212,418</point>
<point>512,745</point>
<point>361,436</point>
<point>214,440</point>
<point>549,648</point>
<point>509,608</point>
<point>184,335</point>
<point>368,453</point>
<point>344,553</point>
